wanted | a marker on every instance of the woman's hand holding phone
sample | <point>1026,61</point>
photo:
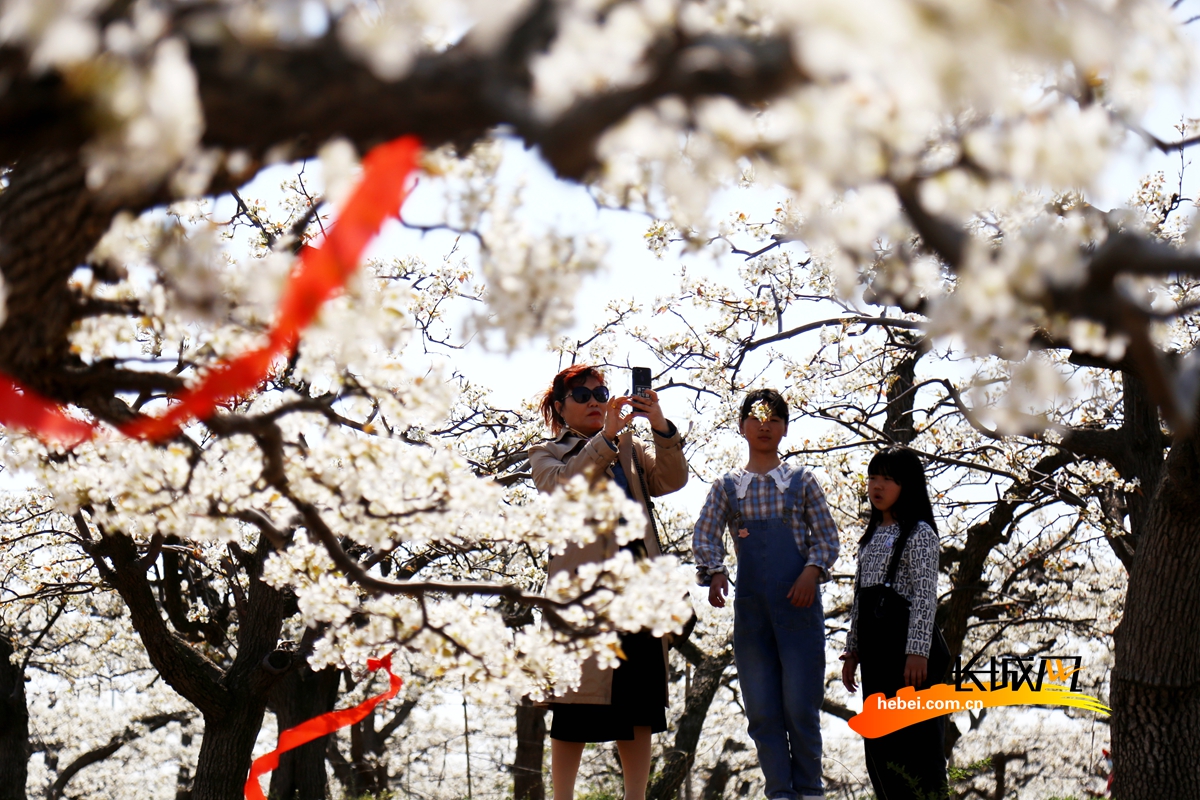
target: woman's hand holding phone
<point>647,406</point>
<point>614,420</point>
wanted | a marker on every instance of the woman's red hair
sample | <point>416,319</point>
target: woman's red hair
<point>565,381</point>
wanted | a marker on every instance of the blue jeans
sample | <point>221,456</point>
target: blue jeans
<point>780,655</point>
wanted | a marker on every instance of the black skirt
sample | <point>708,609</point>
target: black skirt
<point>639,698</point>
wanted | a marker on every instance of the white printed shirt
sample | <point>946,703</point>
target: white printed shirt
<point>916,581</point>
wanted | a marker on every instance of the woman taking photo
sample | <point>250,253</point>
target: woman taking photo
<point>892,632</point>
<point>627,704</point>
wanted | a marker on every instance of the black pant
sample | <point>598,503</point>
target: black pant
<point>909,764</point>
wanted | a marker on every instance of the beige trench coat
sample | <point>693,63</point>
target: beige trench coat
<point>666,472</point>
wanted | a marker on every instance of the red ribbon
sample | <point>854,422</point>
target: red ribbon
<point>25,408</point>
<point>321,273</point>
<point>317,727</point>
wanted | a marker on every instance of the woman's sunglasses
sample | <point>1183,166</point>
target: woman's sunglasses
<point>581,394</point>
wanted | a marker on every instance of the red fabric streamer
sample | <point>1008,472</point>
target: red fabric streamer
<point>321,273</point>
<point>317,727</point>
<point>24,408</point>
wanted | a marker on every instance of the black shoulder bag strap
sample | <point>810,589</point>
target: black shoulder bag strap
<point>641,474</point>
<point>897,552</point>
<point>893,564</point>
<point>646,492</point>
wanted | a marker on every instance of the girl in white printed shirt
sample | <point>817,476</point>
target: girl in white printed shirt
<point>892,630</point>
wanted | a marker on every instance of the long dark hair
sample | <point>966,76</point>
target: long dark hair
<point>912,506</point>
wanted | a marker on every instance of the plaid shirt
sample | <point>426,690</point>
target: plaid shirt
<point>761,497</point>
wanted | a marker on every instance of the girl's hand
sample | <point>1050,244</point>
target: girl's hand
<point>649,408</point>
<point>717,590</point>
<point>614,420</point>
<point>915,669</point>
<point>849,665</point>
<point>804,590</point>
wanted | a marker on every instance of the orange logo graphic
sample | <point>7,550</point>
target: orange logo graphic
<point>1015,683</point>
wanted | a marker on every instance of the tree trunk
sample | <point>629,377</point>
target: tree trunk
<point>225,752</point>
<point>1142,457</point>
<point>368,773</point>
<point>49,222</point>
<point>231,701</point>
<point>898,423</point>
<point>678,760</point>
<point>1156,678</point>
<point>531,749</point>
<point>14,727</point>
<point>301,695</point>
<point>718,779</point>
<point>365,772</point>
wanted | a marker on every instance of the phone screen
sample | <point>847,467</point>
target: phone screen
<point>641,381</point>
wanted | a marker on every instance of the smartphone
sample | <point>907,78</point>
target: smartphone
<point>641,382</point>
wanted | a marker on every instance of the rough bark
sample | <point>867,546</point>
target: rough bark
<point>1156,677</point>
<point>677,760</point>
<point>49,222</point>
<point>299,696</point>
<point>1140,458</point>
<point>231,701</point>
<point>225,751</point>
<point>530,755</point>
<point>14,727</point>
<point>898,421</point>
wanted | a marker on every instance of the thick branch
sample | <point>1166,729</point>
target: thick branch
<point>258,96</point>
<point>981,538</point>
<point>678,759</point>
<point>947,240</point>
<point>258,664</point>
<point>183,668</point>
<point>867,322</point>
<point>114,744</point>
<point>1098,298</point>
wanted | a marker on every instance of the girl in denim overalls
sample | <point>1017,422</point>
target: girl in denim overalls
<point>786,543</point>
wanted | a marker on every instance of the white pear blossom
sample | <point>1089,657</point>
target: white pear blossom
<point>154,123</point>
<point>375,440</point>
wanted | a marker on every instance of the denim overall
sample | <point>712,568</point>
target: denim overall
<point>779,650</point>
